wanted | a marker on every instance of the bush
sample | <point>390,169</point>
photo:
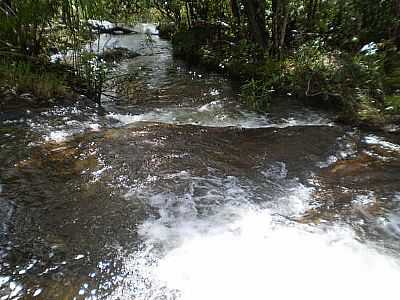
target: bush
<point>257,94</point>
<point>167,30</point>
<point>336,78</point>
<point>49,81</point>
<point>188,44</point>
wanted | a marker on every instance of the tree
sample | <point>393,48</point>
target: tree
<point>311,8</point>
<point>280,16</point>
<point>255,11</point>
<point>396,26</point>
<point>25,24</point>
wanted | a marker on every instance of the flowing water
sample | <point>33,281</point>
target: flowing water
<point>176,191</point>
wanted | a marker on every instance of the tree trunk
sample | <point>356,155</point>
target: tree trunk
<point>396,27</point>
<point>255,11</point>
<point>235,8</point>
<point>191,10</point>
<point>202,10</point>
<point>311,7</point>
<point>280,18</point>
<point>188,15</point>
<point>285,15</point>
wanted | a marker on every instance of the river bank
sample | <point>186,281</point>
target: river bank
<point>262,81</point>
<point>361,87</point>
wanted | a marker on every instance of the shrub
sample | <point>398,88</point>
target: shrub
<point>166,30</point>
<point>256,94</point>
<point>336,78</point>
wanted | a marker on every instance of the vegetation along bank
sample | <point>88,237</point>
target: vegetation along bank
<point>338,54</point>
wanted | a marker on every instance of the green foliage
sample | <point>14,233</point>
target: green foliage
<point>392,69</point>
<point>30,28</point>
<point>92,72</point>
<point>187,44</point>
<point>148,41</point>
<point>25,77</point>
<point>392,104</point>
<point>312,48</point>
<point>242,59</point>
<point>358,22</point>
<point>167,30</point>
<point>27,24</point>
<point>256,94</point>
<point>336,77</point>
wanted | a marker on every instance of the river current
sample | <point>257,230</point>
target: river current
<point>174,190</point>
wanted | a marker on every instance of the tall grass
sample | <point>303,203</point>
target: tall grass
<point>25,77</point>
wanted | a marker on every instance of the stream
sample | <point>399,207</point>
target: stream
<point>174,190</point>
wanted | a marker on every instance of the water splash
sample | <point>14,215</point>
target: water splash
<point>257,259</point>
<point>216,114</point>
<point>375,140</point>
<point>244,251</point>
<point>258,256</point>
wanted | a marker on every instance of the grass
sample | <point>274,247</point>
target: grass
<point>25,77</point>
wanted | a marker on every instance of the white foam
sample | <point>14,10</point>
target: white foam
<point>57,136</point>
<point>213,115</point>
<point>243,251</point>
<point>259,259</point>
<point>253,255</point>
<point>79,256</point>
<point>4,280</point>
<point>16,289</point>
<point>62,135</point>
<point>368,199</point>
<point>277,171</point>
<point>215,92</point>
<point>295,201</point>
<point>37,292</point>
<point>346,148</point>
<point>98,174</point>
<point>375,140</point>
<point>210,106</point>
<point>94,127</point>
